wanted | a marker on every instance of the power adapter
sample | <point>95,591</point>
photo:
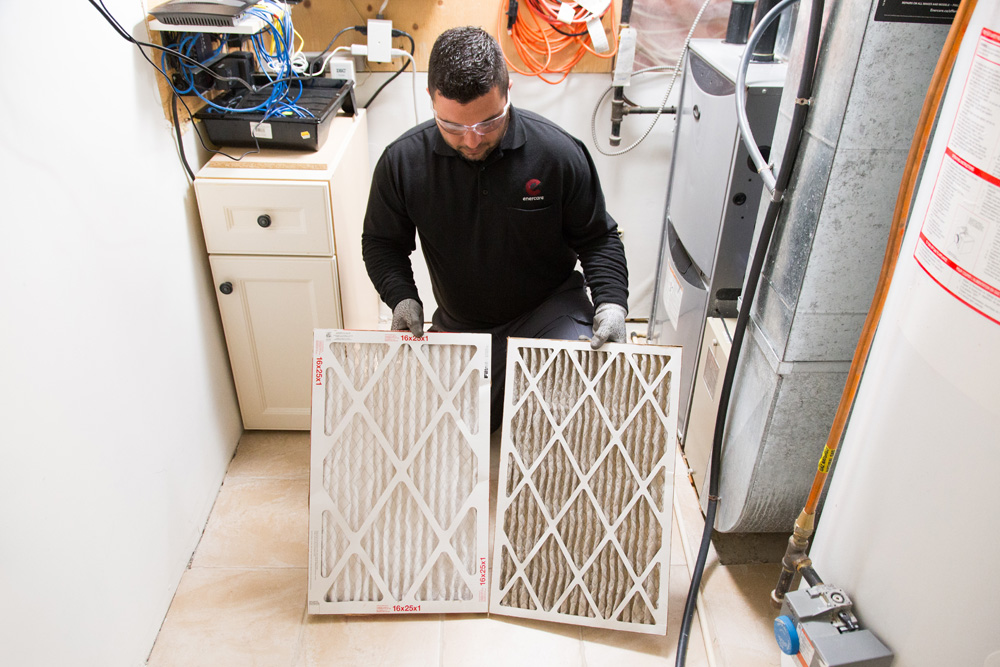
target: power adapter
<point>342,69</point>
<point>238,64</point>
<point>379,41</point>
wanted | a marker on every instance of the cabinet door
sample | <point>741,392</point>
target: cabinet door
<point>269,307</point>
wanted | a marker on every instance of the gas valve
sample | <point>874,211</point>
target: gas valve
<point>819,629</point>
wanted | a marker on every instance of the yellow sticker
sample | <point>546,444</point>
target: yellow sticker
<point>826,460</point>
<point>305,134</point>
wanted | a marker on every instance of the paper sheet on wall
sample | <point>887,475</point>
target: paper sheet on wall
<point>959,243</point>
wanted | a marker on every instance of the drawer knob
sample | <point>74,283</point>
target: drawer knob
<point>226,288</point>
<point>264,220</point>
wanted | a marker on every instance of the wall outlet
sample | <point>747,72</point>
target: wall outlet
<point>341,69</point>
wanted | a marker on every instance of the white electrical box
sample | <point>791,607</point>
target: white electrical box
<point>379,41</point>
<point>341,69</point>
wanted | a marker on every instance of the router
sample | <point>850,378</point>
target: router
<point>227,16</point>
<point>219,13</point>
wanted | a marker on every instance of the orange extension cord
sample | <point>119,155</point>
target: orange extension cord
<point>542,48</point>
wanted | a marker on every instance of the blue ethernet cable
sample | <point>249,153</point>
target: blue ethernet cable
<point>281,100</point>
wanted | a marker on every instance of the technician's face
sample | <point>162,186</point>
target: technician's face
<point>473,129</point>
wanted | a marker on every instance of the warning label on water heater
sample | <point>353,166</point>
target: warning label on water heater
<point>916,11</point>
<point>959,245</point>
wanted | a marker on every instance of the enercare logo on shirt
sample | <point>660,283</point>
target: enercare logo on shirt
<point>533,188</point>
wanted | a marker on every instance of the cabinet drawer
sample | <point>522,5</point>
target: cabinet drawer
<point>265,217</point>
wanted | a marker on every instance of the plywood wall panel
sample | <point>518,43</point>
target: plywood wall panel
<point>318,21</point>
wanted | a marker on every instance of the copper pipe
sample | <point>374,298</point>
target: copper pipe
<point>804,525</point>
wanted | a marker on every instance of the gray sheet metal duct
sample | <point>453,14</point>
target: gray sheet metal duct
<point>824,260</point>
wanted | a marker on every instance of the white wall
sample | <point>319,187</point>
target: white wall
<point>635,184</point>
<point>117,412</point>
<point>909,528</point>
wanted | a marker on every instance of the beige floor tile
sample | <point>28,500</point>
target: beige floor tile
<point>257,523</point>
<point>371,641</point>
<point>688,517</point>
<point>250,618</point>
<point>279,454</point>
<point>613,647</point>
<point>677,556</point>
<point>224,616</point>
<point>498,641</point>
<point>737,599</point>
<point>681,471</point>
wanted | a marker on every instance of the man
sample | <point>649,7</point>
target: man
<point>505,203</point>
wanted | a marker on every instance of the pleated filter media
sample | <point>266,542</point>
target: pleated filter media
<point>399,476</point>
<point>586,480</point>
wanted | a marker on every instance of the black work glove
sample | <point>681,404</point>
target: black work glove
<point>409,315</point>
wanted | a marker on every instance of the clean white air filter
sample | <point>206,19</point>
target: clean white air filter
<point>586,476</point>
<point>399,481</point>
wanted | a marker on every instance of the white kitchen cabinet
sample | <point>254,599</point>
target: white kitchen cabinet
<point>283,232</point>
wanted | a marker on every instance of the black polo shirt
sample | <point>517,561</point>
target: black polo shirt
<point>499,236</point>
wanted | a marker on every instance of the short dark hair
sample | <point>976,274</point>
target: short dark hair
<point>466,63</point>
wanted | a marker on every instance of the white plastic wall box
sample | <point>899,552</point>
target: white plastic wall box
<point>399,474</point>
<point>585,485</point>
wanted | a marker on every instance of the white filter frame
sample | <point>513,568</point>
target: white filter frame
<point>399,473</point>
<point>584,506</point>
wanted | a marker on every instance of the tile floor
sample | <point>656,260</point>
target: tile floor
<point>242,602</point>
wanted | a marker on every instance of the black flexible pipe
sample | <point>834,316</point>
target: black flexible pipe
<point>810,575</point>
<point>180,138</point>
<point>764,51</point>
<point>740,20</point>
<point>753,276</point>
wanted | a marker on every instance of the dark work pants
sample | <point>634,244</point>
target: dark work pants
<point>566,315</point>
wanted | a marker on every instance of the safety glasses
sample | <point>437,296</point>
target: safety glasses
<point>481,129</point>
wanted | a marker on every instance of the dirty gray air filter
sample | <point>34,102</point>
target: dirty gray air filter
<point>586,480</point>
<point>399,497</point>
